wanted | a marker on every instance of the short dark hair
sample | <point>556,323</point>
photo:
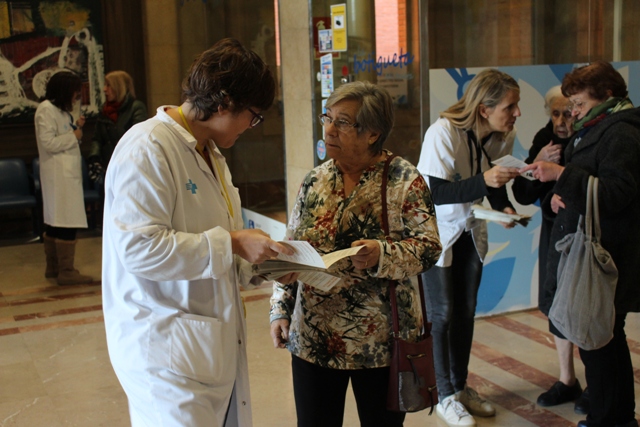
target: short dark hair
<point>60,89</point>
<point>596,78</point>
<point>228,75</point>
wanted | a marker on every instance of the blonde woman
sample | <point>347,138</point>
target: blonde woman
<point>121,111</point>
<point>456,162</point>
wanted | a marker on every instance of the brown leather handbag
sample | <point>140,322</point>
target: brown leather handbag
<point>412,377</point>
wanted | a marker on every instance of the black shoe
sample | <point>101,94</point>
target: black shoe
<point>582,404</point>
<point>560,393</point>
<point>585,423</point>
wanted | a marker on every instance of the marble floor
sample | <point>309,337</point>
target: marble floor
<point>54,368</point>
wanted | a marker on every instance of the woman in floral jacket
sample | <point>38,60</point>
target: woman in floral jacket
<point>345,334</point>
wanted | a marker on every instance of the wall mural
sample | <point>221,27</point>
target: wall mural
<point>41,38</point>
<point>510,275</point>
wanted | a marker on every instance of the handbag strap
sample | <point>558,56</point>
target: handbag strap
<point>596,210</point>
<point>588,218</point>
<point>392,283</point>
<point>383,189</point>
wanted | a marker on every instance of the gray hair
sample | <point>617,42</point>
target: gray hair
<point>376,113</point>
<point>552,94</point>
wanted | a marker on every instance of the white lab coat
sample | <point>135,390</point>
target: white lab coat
<point>173,313</point>
<point>445,154</point>
<point>60,168</point>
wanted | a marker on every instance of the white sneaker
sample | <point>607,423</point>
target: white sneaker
<point>454,413</point>
<point>474,403</point>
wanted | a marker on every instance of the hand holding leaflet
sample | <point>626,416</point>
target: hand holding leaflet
<point>482,212</point>
<point>511,162</point>
<point>306,261</point>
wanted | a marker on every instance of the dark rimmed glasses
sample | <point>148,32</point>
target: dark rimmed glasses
<point>257,118</point>
<point>341,125</point>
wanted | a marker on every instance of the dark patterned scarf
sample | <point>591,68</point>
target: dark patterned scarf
<point>600,112</point>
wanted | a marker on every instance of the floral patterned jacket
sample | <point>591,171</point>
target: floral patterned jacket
<point>350,327</point>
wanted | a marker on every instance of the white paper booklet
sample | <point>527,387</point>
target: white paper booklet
<point>509,161</point>
<point>487,214</point>
<point>306,261</point>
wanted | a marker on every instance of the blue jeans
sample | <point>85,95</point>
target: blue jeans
<point>451,294</point>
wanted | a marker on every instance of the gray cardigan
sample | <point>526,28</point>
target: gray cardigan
<point>610,150</point>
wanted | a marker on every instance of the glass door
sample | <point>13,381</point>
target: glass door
<point>376,41</point>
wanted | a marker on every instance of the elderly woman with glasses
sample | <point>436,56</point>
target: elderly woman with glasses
<point>606,145</point>
<point>456,160</point>
<point>344,334</point>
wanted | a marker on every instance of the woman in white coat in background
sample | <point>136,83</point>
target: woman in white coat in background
<point>174,251</point>
<point>59,136</point>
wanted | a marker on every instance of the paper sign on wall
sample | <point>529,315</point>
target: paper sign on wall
<point>326,74</point>
<point>325,41</point>
<point>339,27</point>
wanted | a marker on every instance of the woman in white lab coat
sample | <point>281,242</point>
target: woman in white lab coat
<point>59,137</point>
<point>175,253</point>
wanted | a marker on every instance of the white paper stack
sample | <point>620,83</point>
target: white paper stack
<point>487,214</point>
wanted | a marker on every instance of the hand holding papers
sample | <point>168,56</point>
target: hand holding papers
<point>511,162</point>
<point>544,171</point>
<point>481,212</point>
<point>306,261</point>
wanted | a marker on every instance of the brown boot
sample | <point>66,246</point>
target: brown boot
<point>67,274</point>
<point>52,257</point>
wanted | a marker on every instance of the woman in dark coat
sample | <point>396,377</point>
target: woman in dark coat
<point>121,111</point>
<point>549,145</point>
<point>606,145</point>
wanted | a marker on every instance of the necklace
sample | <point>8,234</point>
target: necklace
<point>205,154</point>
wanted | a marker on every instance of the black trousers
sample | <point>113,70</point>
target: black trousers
<point>451,295</point>
<point>61,233</point>
<point>320,395</point>
<point>609,373</point>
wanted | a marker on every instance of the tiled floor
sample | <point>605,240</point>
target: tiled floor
<point>54,368</point>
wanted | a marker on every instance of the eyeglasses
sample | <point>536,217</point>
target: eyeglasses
<point>257,118</point>
<point>341,125</point>
<point>577,105</point>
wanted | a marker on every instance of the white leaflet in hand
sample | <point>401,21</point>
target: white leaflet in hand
<point>305,254</point>
<point>509,161</point>
<point>305,261</point>
<point>482,212</point>
<point>331,258</point>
